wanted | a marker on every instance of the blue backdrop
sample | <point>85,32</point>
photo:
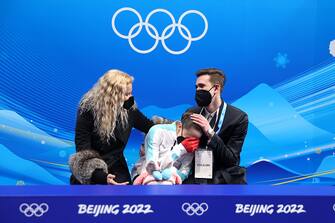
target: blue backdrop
<point>276,56</point>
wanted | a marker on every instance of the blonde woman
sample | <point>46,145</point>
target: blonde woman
<point>105,117</point>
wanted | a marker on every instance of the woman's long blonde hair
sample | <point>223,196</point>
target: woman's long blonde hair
<point>105,99</point>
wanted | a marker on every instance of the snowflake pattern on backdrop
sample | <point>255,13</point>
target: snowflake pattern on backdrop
<point>281,60</point>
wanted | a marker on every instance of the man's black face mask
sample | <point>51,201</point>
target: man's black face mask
<point>203,97</point>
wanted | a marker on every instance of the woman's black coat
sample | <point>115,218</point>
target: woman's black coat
<point>112,153</point>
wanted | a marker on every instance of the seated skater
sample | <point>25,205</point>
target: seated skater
<point>168,152</point>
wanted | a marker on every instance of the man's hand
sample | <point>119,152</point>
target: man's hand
<point>110,180</point>
<point>201,121</point>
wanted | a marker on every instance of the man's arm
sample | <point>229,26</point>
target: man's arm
<point>229,154</point>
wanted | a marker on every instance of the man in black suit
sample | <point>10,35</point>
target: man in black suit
<point>225,126</point>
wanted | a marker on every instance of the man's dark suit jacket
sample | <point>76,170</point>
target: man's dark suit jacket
<point>226,145</point>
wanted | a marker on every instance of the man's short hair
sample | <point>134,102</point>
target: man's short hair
<point>187,121</point>
<point>216,76</point>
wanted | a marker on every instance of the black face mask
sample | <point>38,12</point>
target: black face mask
<point>203,97</point>
<point>129,103</point>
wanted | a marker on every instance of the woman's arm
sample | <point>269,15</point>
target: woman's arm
<point>141,122</point>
